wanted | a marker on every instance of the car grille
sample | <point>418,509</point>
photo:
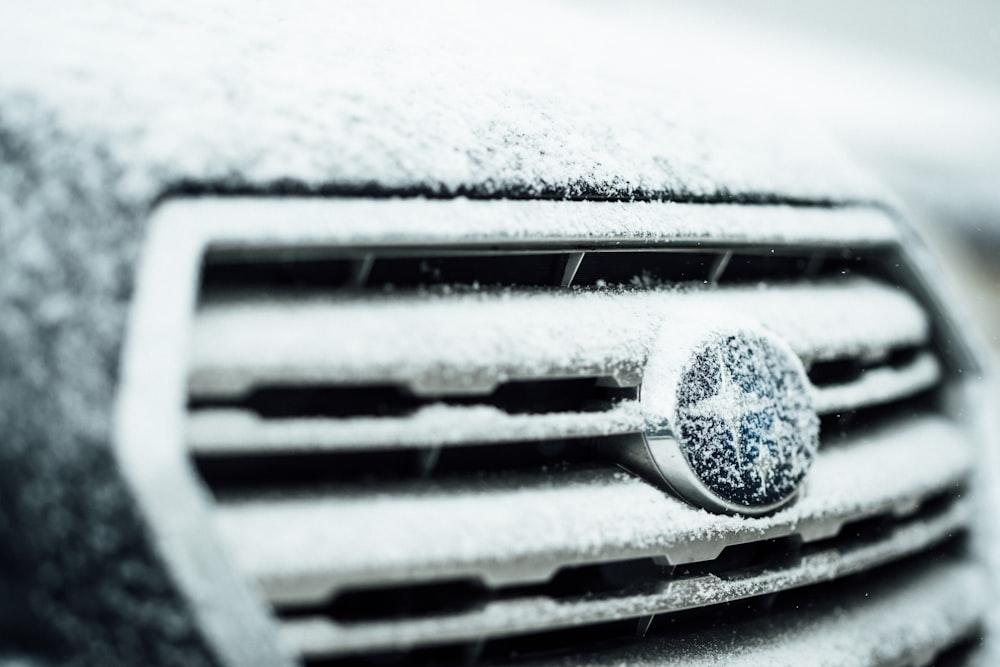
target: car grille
<point>411,418</point>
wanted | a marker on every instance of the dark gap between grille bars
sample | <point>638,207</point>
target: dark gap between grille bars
<point>281,269</point>
<point>585,394</point>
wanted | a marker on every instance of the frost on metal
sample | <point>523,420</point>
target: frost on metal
<point>238,222</point>
<point>319,635</point>
<point>903,618</point>
<point>491,336</point>
<point>435,425</point>
<point>521,528</point>
<point>745,420</point>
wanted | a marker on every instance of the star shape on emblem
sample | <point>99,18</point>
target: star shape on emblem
<point>732,405</point>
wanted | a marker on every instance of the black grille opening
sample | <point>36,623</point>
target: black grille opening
<point>354,471</point>
<point>289,269</point>
<point>284,273</point>
<point>403,601</point>
<point>773,264</point>
<point>767,266</point>
<point>422,599</point>
<point>772,553</point>
<point>835,372</point>
<point>519,270</point>
<point>344,401</point>
<point>640,269</point>
<point>963,652</point>
<point>902,357</point>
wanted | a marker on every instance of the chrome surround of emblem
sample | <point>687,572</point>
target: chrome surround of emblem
<point>725,408</point>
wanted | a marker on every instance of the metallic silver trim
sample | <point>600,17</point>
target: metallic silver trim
<point>238,343</point>
<point>235,432</point>
<point>303,547</point>
<point>246,223</point>
<point>573,262</point>
<point>661,459</point>
<point>945,601</point>
<point>318,636</point>
<point>149,436</point>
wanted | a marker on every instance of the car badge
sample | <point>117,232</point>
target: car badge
<point>729,420</point>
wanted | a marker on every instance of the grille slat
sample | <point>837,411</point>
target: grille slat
<point>235,431</point>
<point>457,344</point>
<point>317,636</point>
<point>906,618</point>
<point>522,528</point>
<point>219,432</point>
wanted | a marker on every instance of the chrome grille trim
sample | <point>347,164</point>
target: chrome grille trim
<point>220,432</point>
<point>250,342</point>
<point>223,431</point>
<point>302,548</point>
<point>250,224</point>
<point>321,637</point>
<point>191,526</point>
<point>876,629</point>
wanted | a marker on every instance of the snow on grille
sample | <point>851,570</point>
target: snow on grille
<point>412,448</point>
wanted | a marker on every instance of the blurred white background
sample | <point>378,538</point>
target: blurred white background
<point>912,87</point>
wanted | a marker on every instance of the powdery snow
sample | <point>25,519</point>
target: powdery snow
<point>479,339</point>
<point>518,527</point>
<point>901,619</point>
<point>439,97</point>
<point>318,635</point>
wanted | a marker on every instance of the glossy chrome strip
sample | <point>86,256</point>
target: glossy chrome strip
<point>319,636</point>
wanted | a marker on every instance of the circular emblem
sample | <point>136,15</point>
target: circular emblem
<point>729,420</point>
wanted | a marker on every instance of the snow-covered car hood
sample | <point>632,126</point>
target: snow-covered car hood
<point>448,98</point>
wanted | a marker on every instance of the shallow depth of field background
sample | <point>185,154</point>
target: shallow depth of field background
<point>922,84</point>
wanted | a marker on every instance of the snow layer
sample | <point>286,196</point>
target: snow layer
<point>323,636</point>
<point>440,97</point>
<point>476,340</point>
<point>898,620</point>
<point>231,431</point>
<point>522,527</point>
<point>251,222</point>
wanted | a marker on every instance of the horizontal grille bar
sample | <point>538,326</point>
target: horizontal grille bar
<point>240,225</point>
<point>469,343</point>
<point>217,432</point>
<point>238,431</point>
<point>319,636</point>
<point>522,528</point>
<point>906,618</point>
